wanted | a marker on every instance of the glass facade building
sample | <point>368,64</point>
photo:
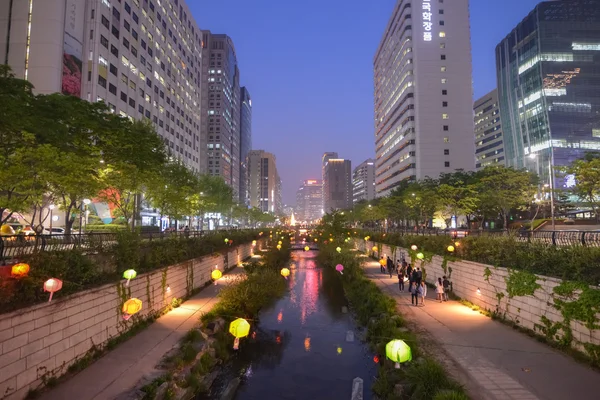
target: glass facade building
<point>245,142</point>
<point>489,146</point>
<point>548,71</point>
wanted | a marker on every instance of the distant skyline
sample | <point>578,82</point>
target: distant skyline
<point>309,67</point>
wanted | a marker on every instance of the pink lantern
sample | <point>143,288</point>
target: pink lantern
<point>52,285</point>
<point>339,268</point>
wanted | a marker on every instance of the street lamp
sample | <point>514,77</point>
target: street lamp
<point>51,208</point>
<point>85,203</point>
<point>533,156</point>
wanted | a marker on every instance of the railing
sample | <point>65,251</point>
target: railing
<point>555,238</point>
<point>16,246</point>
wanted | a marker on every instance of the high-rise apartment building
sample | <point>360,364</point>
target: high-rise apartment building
<point>309,201</point>
<point>264,184</point>
<point>245,141</point>
<point>423,93</point>
<point>363,181</point>
<point>549,86</point>
<point>326,157</point>
<point>221,105</point>
<point>489,147</point>
<point>337,185</point>
<point>142,58</point>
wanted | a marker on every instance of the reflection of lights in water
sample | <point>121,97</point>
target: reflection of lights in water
<point>339,350</point>
<point>254,335</point>
<point>376,359</point>
<point>310,291</point>
<point>278,339</point>
<point>280,316</point>
<point>307,344</point>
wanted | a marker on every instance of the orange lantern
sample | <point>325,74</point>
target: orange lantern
<point>19,270</point>
<point>52,285</point>
<point>131,307</point>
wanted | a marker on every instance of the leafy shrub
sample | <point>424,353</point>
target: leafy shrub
<point>428,378</point>
<point>450,395</point>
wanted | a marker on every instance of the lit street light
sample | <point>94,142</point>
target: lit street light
<point>51,208</point>
<point>533,156</point>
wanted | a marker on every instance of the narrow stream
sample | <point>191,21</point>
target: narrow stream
<point>305,347</point>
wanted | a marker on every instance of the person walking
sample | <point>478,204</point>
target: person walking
<point>418,276</point>
<point>414,299</point>
<point>422,292</point>
<point>446,284</point>
<point>401,279</point>
<point>439,290</point>
<point>382,264</point>
<point>390,266</point>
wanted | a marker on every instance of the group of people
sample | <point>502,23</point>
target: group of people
<point>416,284</point>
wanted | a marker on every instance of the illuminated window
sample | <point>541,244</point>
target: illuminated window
<point>443,69</point>
<point>442,34</point>
<point>445,116</point>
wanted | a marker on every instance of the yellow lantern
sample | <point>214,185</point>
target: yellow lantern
<point>129,275</point>
<point>316,240</point>
<point>338,249</point>
<point>451,249</point>
<point>306,248</point>
<point>216,275</point>
<point>457,244</point>
<point>278,247</point>
<point>285,272</point>
<point>239,328</point>
<point>52,285</point>
<point>254,243</point>
<point>131,307</point>
<point>19,270</point>
<point>280,242</point>
<point>374,249</point>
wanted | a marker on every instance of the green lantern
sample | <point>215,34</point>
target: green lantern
<point>226,240</point>
<point>420,256</point>
<point>398,351</point>
<point>338,249</point>
<point>129,275</point>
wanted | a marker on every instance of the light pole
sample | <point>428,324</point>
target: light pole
<point>51,208</point>
<point>551,171</point>
<point>85,203</point>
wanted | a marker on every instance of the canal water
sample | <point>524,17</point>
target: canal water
<point>305,346</point>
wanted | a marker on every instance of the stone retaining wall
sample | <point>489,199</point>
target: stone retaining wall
<point>469,283</point>
<point>49,337</point>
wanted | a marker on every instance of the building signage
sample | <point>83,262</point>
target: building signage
<point>427,21</point>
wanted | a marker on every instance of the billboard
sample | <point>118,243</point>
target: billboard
<point>73,47</point>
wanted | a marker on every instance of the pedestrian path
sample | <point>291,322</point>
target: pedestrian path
<point>504,363</point>
<point>121,369</point>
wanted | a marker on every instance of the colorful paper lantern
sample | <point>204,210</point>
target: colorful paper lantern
<point>216,275</point>
<point>239,328</point>
<point>278,247</point>
<point>131,307</point>
<point>254,243</point>
<point>226,240</point>
<point>420,256</point>
<point>398,351</point>
<point>129,275</point>
<point>230,242</point>
<point>19,270</point>
<point>374,249</point>
<point>339,268</point>
<point>280,242</point>
<point>306,248</point>
<point>285,272</point>
<point>451,249</point>
<point>52,285</point>
<point>338,249</point>
<point>414,247</point>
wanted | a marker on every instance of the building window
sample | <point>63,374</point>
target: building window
<point>134,51</point>
<point>115,32</point>
<point>128,8</point>
<point>104,41</point>
<point>446,152</point>
<point>444,92</point>
<point>105,22</point>
<point>126,43</point>
<point>114,51</point>
<point>116,13</point>
<point>446,139</point>
<point>443,56</point>
<point>442,34</point>
<point>112,89</point>
<point>131,102</point>
<point>124,97</point>
<point>441,23</point>
<point>444,104</point>
<point>443,69</point>
<point>445,116</point>
<point>446,128</point>
<point>442,45</point>
<point>101,81</point>
<point>441,11</point>
<point>444,80</point>
<point>446,164</point>
<point>126,25</point>
<point>134,34</point>
<point>135,18</point>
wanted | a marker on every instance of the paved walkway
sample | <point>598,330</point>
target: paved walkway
<point>504,363</point>
<point>121,369</point>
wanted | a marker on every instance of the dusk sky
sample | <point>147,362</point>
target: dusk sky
<point>309,68</point>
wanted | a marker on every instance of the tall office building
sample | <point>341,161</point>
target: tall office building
<point>264,184</point>
<point>142,58</point>
<point>221,105</point>
<point>363,181</point>
<point>337,185</point>
<point>245,141</point>
<point>423,93</point>
<point>489,147</point>
<point>326,157</point>
<point>309,201</point>
<point>549,86</point>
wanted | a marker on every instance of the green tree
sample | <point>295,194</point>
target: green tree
<point>587,175</point>
<point>503,189</point>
